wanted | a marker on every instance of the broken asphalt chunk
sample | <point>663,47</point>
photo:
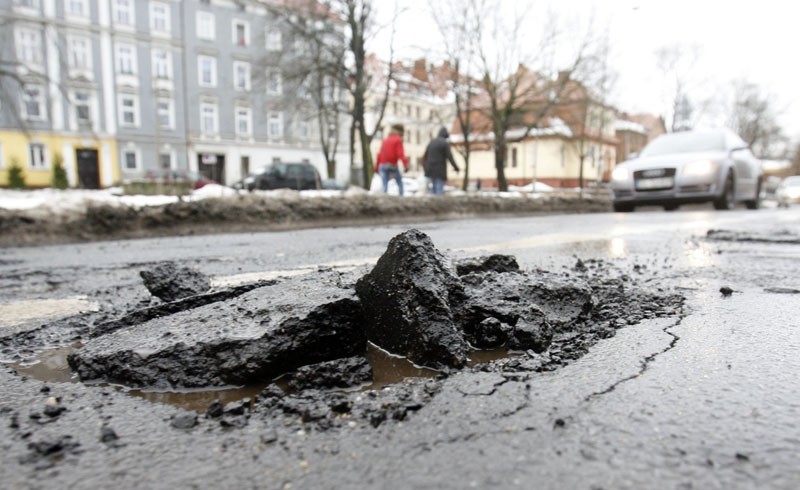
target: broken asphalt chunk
<point>406,301</point>
<point>169,282</point>
<point>340,373</point>
<point>544,301</point>
<point>491,263</point>
<point>248,339</point>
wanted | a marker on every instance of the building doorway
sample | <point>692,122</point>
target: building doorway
<point>212,166</point>
<point>88,168</point>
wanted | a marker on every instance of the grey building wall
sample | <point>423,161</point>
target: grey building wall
<point>184,141</point>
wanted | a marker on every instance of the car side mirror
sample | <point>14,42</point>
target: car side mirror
<point>739,148</point>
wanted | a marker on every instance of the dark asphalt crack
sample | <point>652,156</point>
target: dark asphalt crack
<point>644,364</point>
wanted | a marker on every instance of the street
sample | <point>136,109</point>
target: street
<point>707,398</point>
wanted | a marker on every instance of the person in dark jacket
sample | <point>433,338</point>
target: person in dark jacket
<point>437,154</point>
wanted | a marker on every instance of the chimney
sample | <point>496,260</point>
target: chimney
<point>421,69</point>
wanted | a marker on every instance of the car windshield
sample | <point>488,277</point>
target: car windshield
<point>791,182</point>
<point>687,142</point>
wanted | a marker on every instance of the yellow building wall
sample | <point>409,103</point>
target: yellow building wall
<point>14,146</point>
<point>543,158</point>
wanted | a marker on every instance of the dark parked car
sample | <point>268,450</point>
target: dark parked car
<point>689,167</point>
<point>297,176</point>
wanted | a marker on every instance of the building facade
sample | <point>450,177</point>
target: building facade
<point>125,90</point>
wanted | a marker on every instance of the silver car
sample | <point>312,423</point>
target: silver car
<point>788,191</point>
<point>690,167</point>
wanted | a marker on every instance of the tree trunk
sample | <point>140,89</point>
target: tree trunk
<point>500,164</point>
<point>466,165</point>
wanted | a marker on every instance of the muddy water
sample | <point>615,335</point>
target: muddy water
<point>51,367</point>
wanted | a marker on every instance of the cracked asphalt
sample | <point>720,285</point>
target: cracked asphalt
<point>706,399</point>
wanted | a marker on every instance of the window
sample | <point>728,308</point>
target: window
<point>130,160</point>
<point>30,4</point>
<point>241,33</point>
<point>82,103</point>
<point>162,64</point>
<point>165,160</point>
<point>124,13</point>
<point>274,83</point>
<point>128,110</point>
<point>29,46</point>
<point>513,158</point>
<point>208,118</point>
<point>33,102</point>
<point>126,59</point>
<point>37,156</point>
<point>207,71</point>
<point>165,112</point>
<point>160,17</point>
<point>78,8</point>
<point>206,26</point>
<point>1,155</point>
<point>302,129</point>
<point>244,165</point>
<point>80,53</point>
<point>241,75</point>
<point>244,117</point>
<point>275,125</point>
<point>274,41</point>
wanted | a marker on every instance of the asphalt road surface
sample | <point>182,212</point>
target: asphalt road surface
<point>708,399</point>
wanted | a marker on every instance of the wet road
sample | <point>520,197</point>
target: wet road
<point>709,400</point>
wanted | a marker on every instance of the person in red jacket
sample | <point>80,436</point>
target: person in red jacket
<point>392,152</point>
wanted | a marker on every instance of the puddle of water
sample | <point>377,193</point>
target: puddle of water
<point>389,369</point>
<point>51,366</point>
<point>199,399</point>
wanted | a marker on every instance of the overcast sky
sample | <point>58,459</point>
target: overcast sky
<point>756,40</point>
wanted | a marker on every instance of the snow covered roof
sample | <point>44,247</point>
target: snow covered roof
<point>623,125</point>
<point>558,128</point>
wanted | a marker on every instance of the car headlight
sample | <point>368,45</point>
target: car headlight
<point>249,180</point>
<point>620,174</point>
<point>700,167</point>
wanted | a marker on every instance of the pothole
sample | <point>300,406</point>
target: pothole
<point>51,366</point>
<point>310,345</point>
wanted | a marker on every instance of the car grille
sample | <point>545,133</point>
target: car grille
<point>696,188</point>
<point>654,179</point>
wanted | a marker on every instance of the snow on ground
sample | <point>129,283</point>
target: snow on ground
<point>54,200</point>
<point>77,199</point>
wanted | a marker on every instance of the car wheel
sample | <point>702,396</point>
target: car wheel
<point>755,203</point>
<point>727,200</point>
<point>671,207</point>
<point>623,207</point>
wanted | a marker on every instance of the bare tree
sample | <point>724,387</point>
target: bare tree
<point>458,21</point>
<point>754,117</point>
<point>520,86</point>
<point>343,61</point>
<point>678,65</point>
<point>587,111</point>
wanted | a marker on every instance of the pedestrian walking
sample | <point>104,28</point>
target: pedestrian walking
<point>437,154</point>
<point>391,154</point>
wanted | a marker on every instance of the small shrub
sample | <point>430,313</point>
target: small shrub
<point>59,173</point>
<point>16,176</point>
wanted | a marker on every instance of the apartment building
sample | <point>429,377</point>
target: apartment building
<point>54,104</point>
<point>125,89</point>
<point>418,99</point>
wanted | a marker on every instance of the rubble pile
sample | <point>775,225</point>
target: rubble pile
<point>416,303</point>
